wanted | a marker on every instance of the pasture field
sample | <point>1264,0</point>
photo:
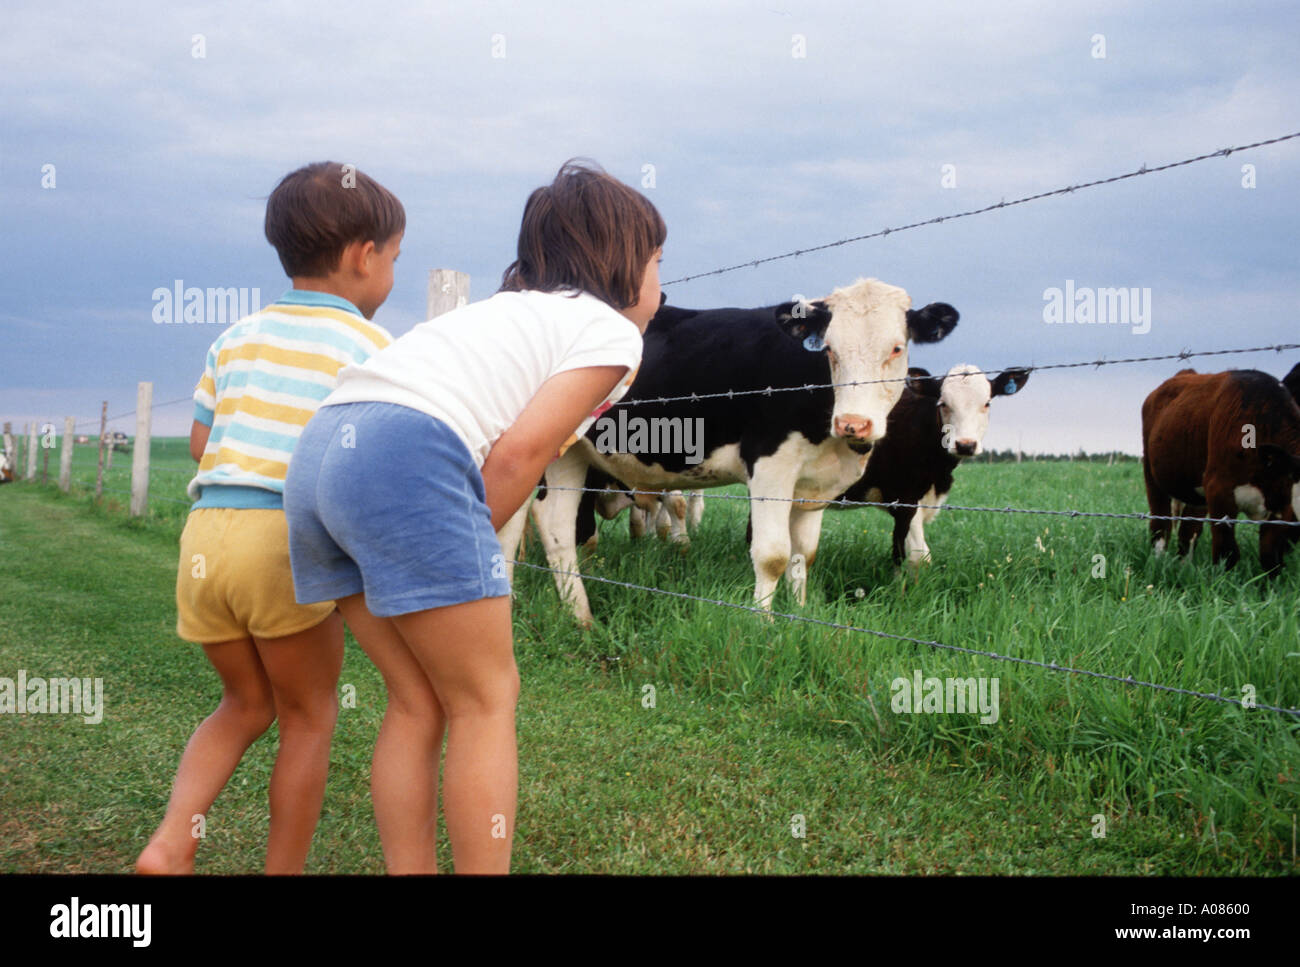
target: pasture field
<point>753,723</point>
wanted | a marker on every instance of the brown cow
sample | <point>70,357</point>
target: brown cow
<point>1219,444</point>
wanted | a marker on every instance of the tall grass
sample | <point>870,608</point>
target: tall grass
<point>1014,585</point>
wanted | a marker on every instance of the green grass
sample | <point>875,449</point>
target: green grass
<point>753,723</point>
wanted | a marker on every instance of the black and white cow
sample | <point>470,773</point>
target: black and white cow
<point>937,423</point>
<point>809,444</point>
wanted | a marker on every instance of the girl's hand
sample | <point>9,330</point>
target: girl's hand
<point>516,461</point>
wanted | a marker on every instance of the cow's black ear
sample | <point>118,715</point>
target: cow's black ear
<point>663,297</point>
<point>1292,382</point>
<point>805,322</point>
<point>1009,381</point>
<point>920,381</point>
<point>931,323</point>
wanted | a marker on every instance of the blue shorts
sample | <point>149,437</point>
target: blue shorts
<point>386,500</point>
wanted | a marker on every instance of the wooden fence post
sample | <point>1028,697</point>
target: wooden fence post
<point>31,451</point>
<point>99,471</point>
<point>140,450</point>
<point>45,455</point>
<point>448,289</point>
<point>65,455</point>
<point>11,455</point>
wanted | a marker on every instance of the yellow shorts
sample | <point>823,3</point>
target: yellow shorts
<point>234,578</point>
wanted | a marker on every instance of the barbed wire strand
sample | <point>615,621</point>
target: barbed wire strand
<point>1068,189</point>
<point>769,390</point>
<point>894,504</point>
<point>1049,666</point>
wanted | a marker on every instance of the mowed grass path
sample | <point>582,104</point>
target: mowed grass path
<point>752,725</point>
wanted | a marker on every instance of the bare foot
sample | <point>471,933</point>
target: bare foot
<point>157,860</point>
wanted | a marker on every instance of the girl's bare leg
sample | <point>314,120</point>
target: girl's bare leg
<point>467,653</point>
<point>404,773</point>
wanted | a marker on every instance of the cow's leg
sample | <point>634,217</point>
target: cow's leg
<point>918,552</point>
<point>805,532</point>
<point>902,525</point>
<point>1273,544</point>
<point>636,522</point>
<point>1158,502</point>
<point>511,537</point>
<point>586,533</point>
<point>663,518</point>
<point>770,547</point>
<point>671,523</point>
<point>1188,530</point>
<point>695,509</point>
<point>556,519</point>
<point>1223,542</point>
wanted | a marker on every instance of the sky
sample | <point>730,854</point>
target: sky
<point>756,128</point>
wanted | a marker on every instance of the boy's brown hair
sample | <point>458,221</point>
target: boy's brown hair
<point>318,210</point>
<point>586,230</point>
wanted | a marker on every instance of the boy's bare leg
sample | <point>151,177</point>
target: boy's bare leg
<point>467,653</point>
<point>214,750</point>
<point>303,670</point>
<point>404,774</point>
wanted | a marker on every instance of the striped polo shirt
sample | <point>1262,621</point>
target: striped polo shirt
<point>264,378</point>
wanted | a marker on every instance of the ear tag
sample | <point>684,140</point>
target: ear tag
<point>1010,387</point>
<point>814,343</point>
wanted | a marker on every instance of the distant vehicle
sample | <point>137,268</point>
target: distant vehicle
<point>118,441</point>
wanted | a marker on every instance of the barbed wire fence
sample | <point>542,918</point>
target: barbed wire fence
<point>41,438</point>
<point>769,390</point>
<point>929,643</point>
<point>843,503</point>
<point>1039,196</point>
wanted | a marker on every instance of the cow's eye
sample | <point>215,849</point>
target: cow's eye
<point>898,350</point>
<point>986,406</point>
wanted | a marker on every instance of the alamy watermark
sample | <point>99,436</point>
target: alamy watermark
<point>951,696</point>
<point>53,696</point>
<point>126,921</point>
<point>213,305</point>
<point>658,434</point>
<point>1086,306</point>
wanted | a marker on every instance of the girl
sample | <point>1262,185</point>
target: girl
<point>411,465</point>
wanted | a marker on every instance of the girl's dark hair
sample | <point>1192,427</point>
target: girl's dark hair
<point>318,210</point>
<point>586,230</point>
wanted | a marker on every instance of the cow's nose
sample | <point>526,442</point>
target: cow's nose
<point>965,448</point>
<point>852,425</point>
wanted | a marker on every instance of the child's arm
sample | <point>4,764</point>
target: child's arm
<point>517,459</point>
<point>198,439</point>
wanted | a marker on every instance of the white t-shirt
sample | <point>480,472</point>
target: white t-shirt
<point>477,367</point>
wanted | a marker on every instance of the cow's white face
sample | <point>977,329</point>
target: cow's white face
<point>962,399</point>
<point>964,402</point>
<point>866,341</point>
<point>864,329</point>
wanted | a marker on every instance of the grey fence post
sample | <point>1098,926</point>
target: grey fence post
<point>140,450</point>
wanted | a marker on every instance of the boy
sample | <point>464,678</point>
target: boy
<point>337,233</point>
